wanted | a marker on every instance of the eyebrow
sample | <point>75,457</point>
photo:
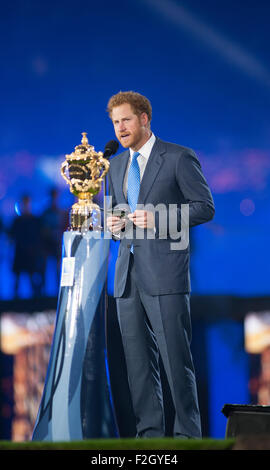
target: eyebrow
<point>122,119</point>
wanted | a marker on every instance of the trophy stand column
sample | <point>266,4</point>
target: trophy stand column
<point>76,402</point>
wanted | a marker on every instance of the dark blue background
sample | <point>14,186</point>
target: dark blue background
<point>205,67</point>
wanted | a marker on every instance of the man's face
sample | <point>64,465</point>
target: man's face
<point>130,129</point>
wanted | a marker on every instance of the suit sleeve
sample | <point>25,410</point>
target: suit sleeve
<point>197,196</point>
<point>195,189</point>
<point>111,192</point>
<point>112,204</point>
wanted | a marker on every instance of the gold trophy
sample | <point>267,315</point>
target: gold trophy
<point>84,170</point>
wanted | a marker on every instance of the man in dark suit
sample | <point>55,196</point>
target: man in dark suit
<point>152,279</point>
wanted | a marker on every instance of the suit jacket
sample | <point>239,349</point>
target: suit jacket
<point>173,176</point>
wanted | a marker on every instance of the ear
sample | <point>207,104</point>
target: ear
<point>144,119</point>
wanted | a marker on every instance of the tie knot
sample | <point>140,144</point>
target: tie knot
<point>135,155</point>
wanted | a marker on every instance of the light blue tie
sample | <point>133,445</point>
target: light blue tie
<point>133,187</point>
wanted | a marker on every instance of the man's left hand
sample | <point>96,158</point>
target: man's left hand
<point>142,219</point>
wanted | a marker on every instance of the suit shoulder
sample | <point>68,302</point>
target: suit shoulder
<point>172,147</point>
<point>117,157</point>
<point>117,160</point>
<point>177,149</point>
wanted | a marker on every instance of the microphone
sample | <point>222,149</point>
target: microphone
<point>110,148</point>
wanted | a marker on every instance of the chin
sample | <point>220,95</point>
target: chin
<point>126,145</point>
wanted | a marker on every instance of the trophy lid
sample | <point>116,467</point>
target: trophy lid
<point>84,151</point>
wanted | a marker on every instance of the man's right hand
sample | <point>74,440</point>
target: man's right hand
<point>115,224</point>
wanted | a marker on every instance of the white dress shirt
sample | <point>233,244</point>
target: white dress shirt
<point>142,159</point>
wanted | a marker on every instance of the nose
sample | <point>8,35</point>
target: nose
<point>122,126</point>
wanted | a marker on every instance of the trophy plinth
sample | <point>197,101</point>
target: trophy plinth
<point>76,402</point>
<point>84,170</point>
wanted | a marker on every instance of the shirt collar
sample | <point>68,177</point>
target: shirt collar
<point>146,149</point>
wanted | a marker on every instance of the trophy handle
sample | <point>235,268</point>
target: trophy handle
<point>106,166</point>
<point>64,164</point>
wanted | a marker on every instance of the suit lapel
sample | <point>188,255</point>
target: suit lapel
<point>122,172</point>
<point>152,169</point>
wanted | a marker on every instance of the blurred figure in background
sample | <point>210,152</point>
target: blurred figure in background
<point>25,232</point>
<point>54,221</point>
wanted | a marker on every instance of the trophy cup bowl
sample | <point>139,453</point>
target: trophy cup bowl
<point>84,170</point>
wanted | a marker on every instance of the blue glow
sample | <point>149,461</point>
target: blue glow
<point>203,95</point>
<point>17,208</point>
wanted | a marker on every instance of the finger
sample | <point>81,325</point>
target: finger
<point>113,220</point>
<point>139,212</point>
<point>140,223</point>
<point>141,218</point>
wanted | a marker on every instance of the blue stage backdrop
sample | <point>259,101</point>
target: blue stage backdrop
<point>205,67</point>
